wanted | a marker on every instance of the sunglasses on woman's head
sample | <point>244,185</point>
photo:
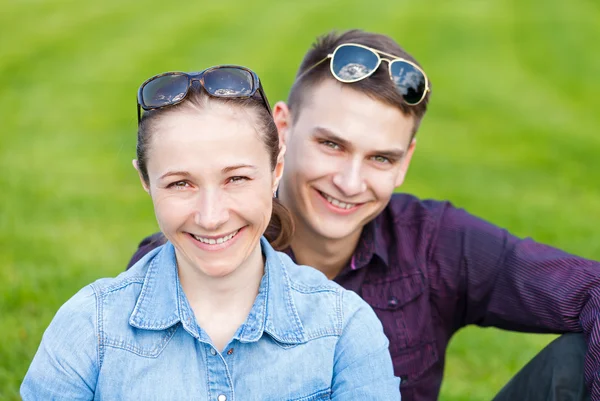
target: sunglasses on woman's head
<point>171,88</point>
<point>351,62</point>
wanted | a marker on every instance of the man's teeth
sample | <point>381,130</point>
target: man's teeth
<point>212,241</point>
<point>337,203</point>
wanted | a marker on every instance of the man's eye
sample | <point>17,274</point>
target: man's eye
<point>380,159</point>
<point>330,144</point>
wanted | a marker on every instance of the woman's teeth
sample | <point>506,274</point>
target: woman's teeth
<point>213,241</point>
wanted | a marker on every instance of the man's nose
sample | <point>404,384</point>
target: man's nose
<point>349,180</point>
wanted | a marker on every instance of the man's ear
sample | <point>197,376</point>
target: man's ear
<point>283,120</point>
<point>144,183</point>
<point>405,162</point>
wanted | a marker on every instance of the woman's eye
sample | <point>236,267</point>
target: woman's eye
<point>179,184</point>
<point>237,178</point>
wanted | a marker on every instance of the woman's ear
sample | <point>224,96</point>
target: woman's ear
<point>144,183</point>
<point>278,171</point>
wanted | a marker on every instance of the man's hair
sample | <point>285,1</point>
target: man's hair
<point>378,86</point>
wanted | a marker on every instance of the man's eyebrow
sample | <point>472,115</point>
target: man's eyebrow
<point>177,173</point>
<point>326,133</point>
<point>392,154</point>
<point>229,169</point>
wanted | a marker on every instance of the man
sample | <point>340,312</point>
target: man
<point>425,267</point>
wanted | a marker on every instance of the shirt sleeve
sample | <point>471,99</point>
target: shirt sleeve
<point>517,284</point>
<point>65,366</point>
<point>363,367</point>
<point>149,243</point>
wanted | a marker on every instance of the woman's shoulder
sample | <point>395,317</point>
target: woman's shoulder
<point>305,278</point>
<point>318,298</point>
<point>126,286</point>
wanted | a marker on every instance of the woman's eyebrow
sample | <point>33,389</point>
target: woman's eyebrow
<point>228,169</point>
<point>177,173</point>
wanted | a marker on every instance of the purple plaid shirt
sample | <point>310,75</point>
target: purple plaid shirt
<point>428,269</point>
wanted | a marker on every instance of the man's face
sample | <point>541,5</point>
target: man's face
<point>346,154</point>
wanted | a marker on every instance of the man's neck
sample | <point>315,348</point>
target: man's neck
<point>329,256</point>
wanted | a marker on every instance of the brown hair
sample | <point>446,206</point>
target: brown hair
<point>281,227</point>
<point>378,86</point>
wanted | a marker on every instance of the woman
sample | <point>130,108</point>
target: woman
<point>215,313</point>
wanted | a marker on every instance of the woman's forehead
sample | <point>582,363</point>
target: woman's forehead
<point>206,139</point>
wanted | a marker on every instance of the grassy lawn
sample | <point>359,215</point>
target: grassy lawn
<point>512,134</point>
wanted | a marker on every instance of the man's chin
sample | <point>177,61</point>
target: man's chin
<point>336,232</point>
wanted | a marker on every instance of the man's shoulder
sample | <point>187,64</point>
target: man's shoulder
<point>409,208</point>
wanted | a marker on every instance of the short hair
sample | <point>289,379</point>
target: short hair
<point>378,86</point>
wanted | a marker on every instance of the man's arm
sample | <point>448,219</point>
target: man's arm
<point>517,284</point>
<point>147,244</point>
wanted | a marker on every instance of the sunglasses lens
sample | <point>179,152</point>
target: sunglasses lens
<point>164,90</point>
<point>352,63</point>
<point>229,82</point>
<point>409,81</point>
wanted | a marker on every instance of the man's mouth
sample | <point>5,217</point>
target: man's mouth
<point>338,203</point>
<point>215,240</point>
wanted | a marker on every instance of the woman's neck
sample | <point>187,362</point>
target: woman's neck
<point>222,304</point>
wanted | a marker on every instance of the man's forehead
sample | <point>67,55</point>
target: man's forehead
<point>339,109</point>
<point>339,97</point>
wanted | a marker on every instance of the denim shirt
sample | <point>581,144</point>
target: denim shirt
<point>135,337</point>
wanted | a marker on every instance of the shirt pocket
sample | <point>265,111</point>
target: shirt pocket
<point>402,304</point>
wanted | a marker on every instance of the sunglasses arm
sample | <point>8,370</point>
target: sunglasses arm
<point>314,66</point>
<point>265,101</point>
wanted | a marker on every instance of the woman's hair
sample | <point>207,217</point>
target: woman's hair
<point>281,226</point>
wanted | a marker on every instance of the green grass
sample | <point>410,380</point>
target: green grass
<point>511,135</point>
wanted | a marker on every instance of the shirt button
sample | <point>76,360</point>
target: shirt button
<point>222,397</point>
<point>230,351</point>
<point>392,301</point>
<point>213,352</point>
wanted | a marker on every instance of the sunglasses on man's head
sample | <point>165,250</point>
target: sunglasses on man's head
<point>351,62</point>
<point>171,88</point>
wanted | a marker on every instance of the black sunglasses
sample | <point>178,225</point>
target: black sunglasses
<point>170,88</point>
<point>351,62</point>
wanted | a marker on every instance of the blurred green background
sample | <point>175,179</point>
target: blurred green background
<point>511,134</point>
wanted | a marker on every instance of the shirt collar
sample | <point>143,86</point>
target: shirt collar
<point>371,242</point>
<point>274,310</point>
<point>162,303</point>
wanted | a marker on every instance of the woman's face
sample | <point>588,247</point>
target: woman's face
<point>212,185</point>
